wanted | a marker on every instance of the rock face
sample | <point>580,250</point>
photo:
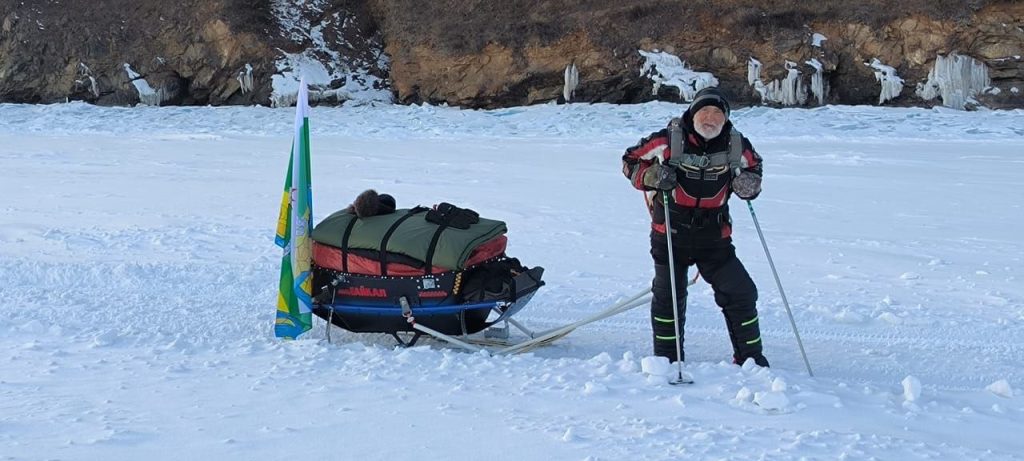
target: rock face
<point>476,53</point>
<point>187,52</point>
<point>515,51</point>
<point>118,52</point>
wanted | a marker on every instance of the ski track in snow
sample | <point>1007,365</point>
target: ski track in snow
<point>138,276</point>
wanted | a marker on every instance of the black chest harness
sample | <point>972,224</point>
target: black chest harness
<point>707,167</point>
<point>711,163</point>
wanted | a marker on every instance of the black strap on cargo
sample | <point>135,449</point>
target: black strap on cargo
<point>433,246</point>
<point>387,236</point>
<point>344,243</point>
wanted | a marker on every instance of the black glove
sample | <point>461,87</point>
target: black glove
<point>747,185</point>
<point>658,176</point>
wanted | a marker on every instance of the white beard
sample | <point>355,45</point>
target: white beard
<point>707,135</point>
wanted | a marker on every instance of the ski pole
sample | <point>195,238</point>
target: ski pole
<point>779,284</point>
<point>675,301</point>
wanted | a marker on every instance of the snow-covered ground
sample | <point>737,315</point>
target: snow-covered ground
<point>138,276</point>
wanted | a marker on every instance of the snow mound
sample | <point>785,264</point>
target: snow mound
<point>771,400</point>
<point>1001,388</point>
<point>911,389</point>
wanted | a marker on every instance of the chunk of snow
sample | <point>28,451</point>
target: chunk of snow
<point>656,366</point>
<point>87,73</point>
<point>667,69</point>
<point>772,400</point>
<point>753,71</point>
<point>779,385</point>
<point>245,79</point>
<point>889,317</point>
<point>744,394</point>
<point>817,38</point>
<point>911,389</point>
<point>601,359</point>
<point>788,92</point>
<point>627,364</point>
<point>817,80</point>
<point>956,79</point>
<point>750,365</point>
<point>892,84</point>
<point>571,80</point>
<point>591,388</point>
<point>103,339</point>
<point>1001,388</point>
<point>846,316</point>
<point>147,95</point>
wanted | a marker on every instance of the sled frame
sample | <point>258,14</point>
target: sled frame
<point>541,339</point>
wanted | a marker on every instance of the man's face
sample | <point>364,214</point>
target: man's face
<point>709,121</point>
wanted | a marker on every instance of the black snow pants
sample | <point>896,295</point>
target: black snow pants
<point>734,291</point>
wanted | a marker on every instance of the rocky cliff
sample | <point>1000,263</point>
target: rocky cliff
<point>516,51</point>
<point>482,53</point>
<point>186,52</point>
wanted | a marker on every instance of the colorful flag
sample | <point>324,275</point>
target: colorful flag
<point>294,298</point>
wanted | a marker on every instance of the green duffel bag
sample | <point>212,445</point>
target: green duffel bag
<point>409,232</point>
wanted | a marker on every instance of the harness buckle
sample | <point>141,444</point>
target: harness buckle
<point>702,161</point>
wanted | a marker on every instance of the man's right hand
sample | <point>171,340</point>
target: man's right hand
<point>658,176</point>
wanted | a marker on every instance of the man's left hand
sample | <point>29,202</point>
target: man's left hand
<point>747,185</point>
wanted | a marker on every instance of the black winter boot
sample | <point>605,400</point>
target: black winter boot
<point>746,337</point>
<point>758,359</point>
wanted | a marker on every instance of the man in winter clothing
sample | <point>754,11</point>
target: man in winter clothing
<point>699,161</point>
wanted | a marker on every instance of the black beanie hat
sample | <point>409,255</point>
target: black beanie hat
<point>710,96</point>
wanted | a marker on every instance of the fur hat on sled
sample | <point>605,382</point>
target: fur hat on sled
<point>370,203</point>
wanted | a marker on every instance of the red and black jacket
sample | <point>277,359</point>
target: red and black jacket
<point>699,202</point>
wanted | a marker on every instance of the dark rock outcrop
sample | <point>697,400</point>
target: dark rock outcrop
<point>118,52</point>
